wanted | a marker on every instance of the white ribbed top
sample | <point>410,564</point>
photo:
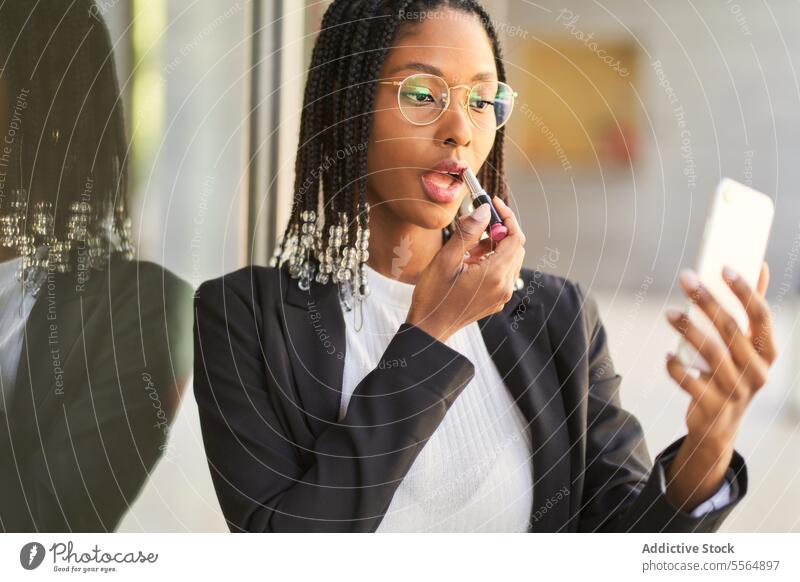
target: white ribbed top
<point>474,473</point>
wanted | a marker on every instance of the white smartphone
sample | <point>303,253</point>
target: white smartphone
<point>736,234</point>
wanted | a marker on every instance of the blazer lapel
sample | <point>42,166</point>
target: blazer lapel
<point>315,335</point>
<point>519,344</point>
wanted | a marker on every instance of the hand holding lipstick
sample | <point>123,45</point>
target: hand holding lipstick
<point>496,229</point>
<point>469,278</point>
<point>486,246</point>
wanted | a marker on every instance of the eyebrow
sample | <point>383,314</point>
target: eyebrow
<point>430,69</point>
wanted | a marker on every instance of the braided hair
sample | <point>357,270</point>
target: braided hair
<point>67,133</point>
<point>339,97</point>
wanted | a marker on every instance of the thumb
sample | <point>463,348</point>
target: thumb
<point>469,229</point>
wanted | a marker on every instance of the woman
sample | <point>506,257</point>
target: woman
<point>94,346</point>
<point>417,379</point>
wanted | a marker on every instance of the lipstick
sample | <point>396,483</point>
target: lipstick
<point>496,229</point>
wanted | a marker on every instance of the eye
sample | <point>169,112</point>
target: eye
<point>418,96</point>
<point>483,96</point>
<point>479,104</point>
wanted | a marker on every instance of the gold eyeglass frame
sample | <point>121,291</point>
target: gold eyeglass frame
<point>464,104</point>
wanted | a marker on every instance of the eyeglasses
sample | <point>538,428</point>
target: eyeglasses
<point>423,98</point>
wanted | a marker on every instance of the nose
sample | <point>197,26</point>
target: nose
<point>454,126</point>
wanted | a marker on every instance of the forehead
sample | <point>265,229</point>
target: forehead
<point>452,41</point>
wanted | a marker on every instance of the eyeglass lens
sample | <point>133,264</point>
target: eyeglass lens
<point>423,98</point>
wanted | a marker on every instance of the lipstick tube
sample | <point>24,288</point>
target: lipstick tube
<point>496,230</point>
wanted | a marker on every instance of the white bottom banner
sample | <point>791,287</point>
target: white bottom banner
<point>400,557</point>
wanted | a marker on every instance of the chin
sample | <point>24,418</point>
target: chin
<point>436,218</point>
<point>423,212</point>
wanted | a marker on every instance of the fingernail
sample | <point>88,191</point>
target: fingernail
<point>499,202</point>
<point>670,355</point>
<point>674,314</point>
<point>481,213</point>
<point>689,278</point>
<point>729,273</point>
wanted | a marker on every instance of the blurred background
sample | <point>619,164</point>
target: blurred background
<point>629,114</point>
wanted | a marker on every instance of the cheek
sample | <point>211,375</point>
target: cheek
<point>483,143</point>
<point>390,147</point>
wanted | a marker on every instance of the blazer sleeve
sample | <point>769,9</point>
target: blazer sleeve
<point>265,478</point>
<point>624,491</point>
<point>99,451</point>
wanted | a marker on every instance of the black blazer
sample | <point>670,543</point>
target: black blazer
<point>97,385</point>
<point>268,368</point>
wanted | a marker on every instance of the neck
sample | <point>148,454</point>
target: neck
<point>402,250</point>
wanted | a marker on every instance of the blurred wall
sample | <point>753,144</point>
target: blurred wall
<point>728,72</point>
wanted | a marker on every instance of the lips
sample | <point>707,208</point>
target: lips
<point>444,180</point>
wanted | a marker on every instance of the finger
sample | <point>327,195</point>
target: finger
<point>507,247</point>
<point>763,279</point>
<point>506,263</point>
<point>472,226</point>
<point>502,208</point>
<point>515,267</point>
<point>741,349</point>
<point>468,230</point>
<point>760,327</point>
<point>480,250</point>
<point>510,270</point>
<point>493,270</point>
<point>694,386</point>
<point>509,218</point>
<point>713,352</point>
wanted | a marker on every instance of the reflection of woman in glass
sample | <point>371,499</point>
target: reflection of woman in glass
<point>447,395</point>
<point>93,354</point>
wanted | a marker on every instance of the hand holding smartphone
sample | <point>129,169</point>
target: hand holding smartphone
<point>736,234</point>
